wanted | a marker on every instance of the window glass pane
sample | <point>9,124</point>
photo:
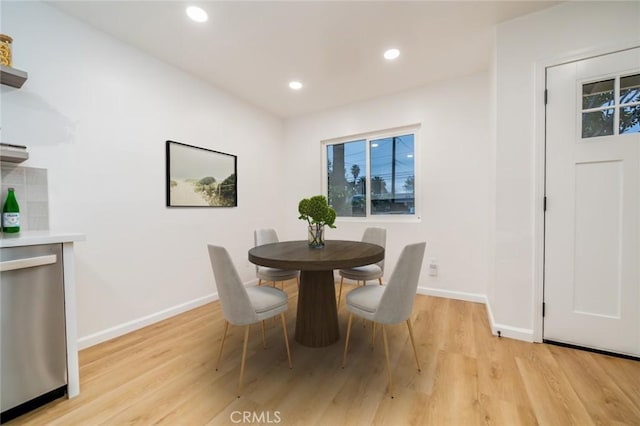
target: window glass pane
<point>630,119</point>
<point>629,89</point>
<point>346,174</point>
<point>597,123</point>
<point>392,175</point>
<point>598,94</point>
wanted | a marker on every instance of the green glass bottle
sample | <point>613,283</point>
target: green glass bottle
<point>11,213</point>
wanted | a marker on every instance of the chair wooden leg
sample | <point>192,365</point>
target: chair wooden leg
<point>373,334</point>
<point>224,336</point>
<point>364,283</point>
<point>259,281</point>
<point>340,291</point>
<point>380,280</point>
<point>346,343</point>
<point>386,355</point>
<point>286,338</point>
<point>244,357</point>
<point>413,343</point>
<point>264,342</point>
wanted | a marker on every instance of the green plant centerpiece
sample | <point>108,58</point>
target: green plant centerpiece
<point>317,212</point>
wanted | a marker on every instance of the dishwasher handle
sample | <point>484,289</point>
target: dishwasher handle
<point>29,262</point>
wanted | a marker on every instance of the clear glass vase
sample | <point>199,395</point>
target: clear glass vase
<point>316,236</point>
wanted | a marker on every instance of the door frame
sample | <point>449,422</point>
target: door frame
<point>540,139</point>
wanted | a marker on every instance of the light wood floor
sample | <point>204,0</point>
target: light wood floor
<point>165,373</point>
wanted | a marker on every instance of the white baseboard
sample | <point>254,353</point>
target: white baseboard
<point>449,294</point>
<point>517,333</point>
<point>505,330</point>
<point>127,327</point>
<point>121,329</point>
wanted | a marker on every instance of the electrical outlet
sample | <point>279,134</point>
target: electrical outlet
<point>433,267</point>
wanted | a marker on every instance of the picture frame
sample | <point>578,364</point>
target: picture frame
<point>200,177</point>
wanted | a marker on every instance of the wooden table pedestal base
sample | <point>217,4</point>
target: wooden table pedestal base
<point>317,317</point>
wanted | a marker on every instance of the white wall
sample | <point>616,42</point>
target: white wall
<point>453,156</point>
<point>566,31</point>
<point>96,113</point>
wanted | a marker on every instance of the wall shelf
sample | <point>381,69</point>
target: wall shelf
<point>13,153</point>
<point>12,156</point>
<point>12,77</point>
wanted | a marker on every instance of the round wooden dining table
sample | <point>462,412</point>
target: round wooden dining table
<point>317,313</point>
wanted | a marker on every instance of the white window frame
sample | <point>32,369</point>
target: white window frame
<point>368,136</point>
<point>616,107</point>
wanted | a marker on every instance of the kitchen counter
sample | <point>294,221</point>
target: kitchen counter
<point>32,238</point>
<point>67,239</point>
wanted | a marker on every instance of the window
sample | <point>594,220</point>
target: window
<point>629,104</point>
<point>373,175</point>
<point>611,107</point>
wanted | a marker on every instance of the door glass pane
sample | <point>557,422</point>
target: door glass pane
<point>629,89</point>
<point>346,173</point>
<point>598,94</point>
<point>630,119</point>
<point>597,123</point>
<point>392,175</point>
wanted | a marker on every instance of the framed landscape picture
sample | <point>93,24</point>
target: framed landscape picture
<point>200,177</point>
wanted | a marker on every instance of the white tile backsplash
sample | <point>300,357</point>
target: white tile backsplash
<point>35,176</point>
<point>36,193</point>
<point>32,192</point>
<point>12,174</point>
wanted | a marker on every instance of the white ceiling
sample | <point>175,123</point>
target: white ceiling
<point>253,49</point>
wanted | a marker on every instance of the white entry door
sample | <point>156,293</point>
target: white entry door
<point>592,218</point>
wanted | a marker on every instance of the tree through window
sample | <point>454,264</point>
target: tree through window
<point>372,176</point>
<point>611,107</point>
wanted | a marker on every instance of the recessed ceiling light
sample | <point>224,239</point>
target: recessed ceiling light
<point>295,85</point>
<point>374,145</point>
<point>197,14</point>
<point>409,155</point>
<point>391,54</point>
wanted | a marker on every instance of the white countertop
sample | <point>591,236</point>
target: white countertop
<point>32,238</point>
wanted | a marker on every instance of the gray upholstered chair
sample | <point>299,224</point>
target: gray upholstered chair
<point>245,306</point>
<point>368,272</point>
<point>264,273</point>
<point>390,304</point>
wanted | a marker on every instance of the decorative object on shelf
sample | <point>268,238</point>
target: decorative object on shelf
<point>9,75</point>
<point>200,177</point>
<point>5,50</point>
<point>317,212</point>
<point>11,213</point>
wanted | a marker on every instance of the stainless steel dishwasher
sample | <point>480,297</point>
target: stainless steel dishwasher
<point>33,343</point>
